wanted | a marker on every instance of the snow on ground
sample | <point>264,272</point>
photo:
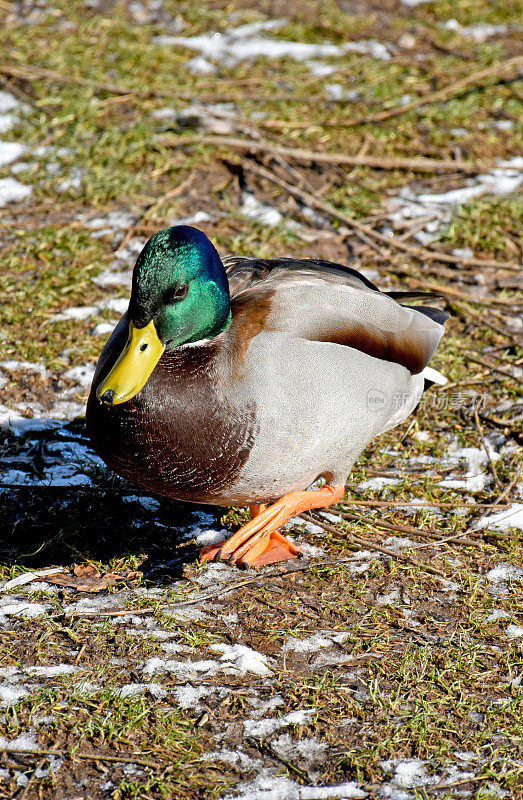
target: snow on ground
<point>511,517</point>
<point>246,43</point>
<point>12,191</point>
<point>436,209</point>
<point>268,786</point>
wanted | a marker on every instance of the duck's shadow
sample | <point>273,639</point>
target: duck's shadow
<point>59,505</point>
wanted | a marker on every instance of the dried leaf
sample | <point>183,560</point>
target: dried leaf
<point>86,571</point>
<point>87,584</point>
<point>87,578</point>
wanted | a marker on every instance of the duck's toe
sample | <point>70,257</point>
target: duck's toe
<point>270,549</point>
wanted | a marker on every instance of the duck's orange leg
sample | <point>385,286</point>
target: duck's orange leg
<point>258,542</point>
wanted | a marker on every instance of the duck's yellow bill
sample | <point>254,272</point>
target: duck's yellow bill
<point>132,370</point>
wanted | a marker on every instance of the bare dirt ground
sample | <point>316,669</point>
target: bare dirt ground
<point>387,663</point>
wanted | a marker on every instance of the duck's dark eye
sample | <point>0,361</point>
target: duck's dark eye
<point>178,293</point>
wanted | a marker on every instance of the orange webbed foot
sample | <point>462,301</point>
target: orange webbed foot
<point>259,542</point>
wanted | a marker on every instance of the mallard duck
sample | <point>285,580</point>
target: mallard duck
<point>243,381</point>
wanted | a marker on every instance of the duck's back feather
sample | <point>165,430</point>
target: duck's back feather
<point>327,302</point>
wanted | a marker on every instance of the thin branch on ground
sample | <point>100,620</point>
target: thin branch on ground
<point>431,165</point>
<point>365,232</point>
<point>506,491</point>
<point>438,536</point>
<point>485,447</point>
<point>366,543</point>
<point>498,71</point>
<point>88,756</point>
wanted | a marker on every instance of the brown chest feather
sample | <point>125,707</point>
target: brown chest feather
<point>177,437</point>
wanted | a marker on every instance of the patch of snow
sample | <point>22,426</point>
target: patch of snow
<point>18,424</point>
<point>25,741</point>
<point>313,643</point>
<point>8,102</point>
<point>87,688</point>
<point>67,409</point>
<point>193,219</point>
<point>189,696</point>
<point>309,549</point>
<point>29,366</point>
<point>504,124</point>
<point>134,689</point>
<point>74,182</point>
<point>263,707</point>
<point>369,47</point>
<point>514,631</point>
<point>183,670</point>
<point>390,598</point>
<point>82,375</point>
<point>245,44</point>
<point>261,728</point>
<point>479,33</point>
<point>504,573</point>
<point>200,66</point>
<point>204,537</point>
<point>64,475</point>
<point>9,152</point>
<point>11,607</point>
<point>410,773</point>
<point>52,671</point>
<point>12,191</point>
<point>76,312</point>
<point>10,695</point>
<point>414,3</point>
<point>398,543</point>
<point>118,304</point>
<point>320,68</point>
<point>309,749</point>
<point>511,517</point>
<point>260,212</point>
<point>114,220</point>
<point>235,758</point>
<point>102,329</point>
<point>463,252</point>
<point>267,786</point>
<point>239,658</point>
<point>149,503</point>
<point>497,613</point>
<point>476,459</point>
<point>378,483</point>
<point>437,209</point>
<point>8,121</point>
<point>112,278</point>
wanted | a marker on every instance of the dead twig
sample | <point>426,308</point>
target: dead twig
<point>87,756</point>
<point>372,546</point>
<point>491,367</point>
<point>38,73</point>
<point>431,165</point>
<point>498,71</point>
<point>484,443</point>
<point>365,232</point>
<point>438,536</point>
<point>508,488</point>
<point>32,779</point>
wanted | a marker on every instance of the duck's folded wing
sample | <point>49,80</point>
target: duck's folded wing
<point>245,273</point>
<point>331,303</point>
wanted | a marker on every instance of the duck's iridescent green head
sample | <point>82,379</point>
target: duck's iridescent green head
<point>180,284</point>
<point>180,295</point>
